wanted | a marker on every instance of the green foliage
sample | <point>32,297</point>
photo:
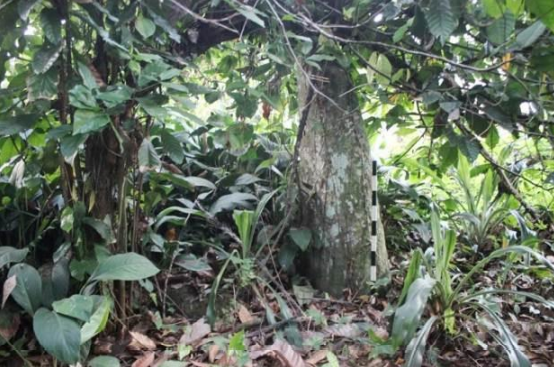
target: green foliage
<point>58,335</point>
<point>134,126</point>
<point>127,267</point>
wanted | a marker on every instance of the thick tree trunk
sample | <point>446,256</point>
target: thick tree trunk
<point>335,163</point>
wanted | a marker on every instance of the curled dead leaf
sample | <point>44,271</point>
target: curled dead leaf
<point>144,361</point>
<point>244,315</point>
<point>196,332</point>
<point>317,357</point>
<point>141,341</point>
<point>9,286</point>
<point>282,351</point>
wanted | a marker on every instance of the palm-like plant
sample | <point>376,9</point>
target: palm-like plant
<point>483,209</point>
<point>429,282</point>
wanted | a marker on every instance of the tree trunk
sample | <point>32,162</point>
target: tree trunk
<point>335,164</point>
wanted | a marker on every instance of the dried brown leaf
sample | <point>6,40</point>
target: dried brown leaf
<point>196,332</point>
<point>212,352</point>
<point>142,340</point>
<point>244,315</point>
<point>144,361</point>
<point>317,357</point>
<point>282,351</point>
<point>9,325</point>
<point>9,286</point>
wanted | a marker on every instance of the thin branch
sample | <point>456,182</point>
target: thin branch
<point>202,19</point>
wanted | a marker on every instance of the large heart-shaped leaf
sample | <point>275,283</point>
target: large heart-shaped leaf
<point>77,306</point>
<point>128,267</point>
<point>87,121</point>
<point>59,335</point>
<point>28,289</point>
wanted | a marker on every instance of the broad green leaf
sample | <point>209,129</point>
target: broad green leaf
<point>55,282</point>
<point>544,10</point>
<point>28,289</point>
<point>501,29</point>
<point>11,125</point>
<point>104,361</point>
<point>172,146</point>
<point>9,255</point>
<point>77,306</point>
<point>494,8</point>
<point>46,57</point>
<point>147,156</point>
<point>98,320</point>
<point>236,342</point>
<point>163,23</point>
<point>82,97</point>
<point>145,26</point>
<point>42,86</point>
<point>416,349</point>
<point>381,69</point>
<point>231,201</point>
<point>87,121</point>
<point>529,35</point>
<point>153,105</point>
<point>115,95</point>
<point>51,25</point>
<point>301,237</point>
<point>407,316</point>
<point>58,335</point>
<point>69,145</point>
<point>441,19</point>
<point>127,267</point>
<point>87,76</point>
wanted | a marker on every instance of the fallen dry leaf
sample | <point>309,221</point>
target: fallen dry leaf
<point>141,341</point>
<point>9,325</point>
<point>317,357</point>
<point>144,361</point>
<point>212,352</point>
<point>9,286</point>
<point>244,315</point>
<point>197,331</point>
<point>284,352</point>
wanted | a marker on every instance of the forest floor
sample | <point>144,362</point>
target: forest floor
<point>321,331</point>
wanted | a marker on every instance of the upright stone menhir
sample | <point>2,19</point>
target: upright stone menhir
<point>335,162</point>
